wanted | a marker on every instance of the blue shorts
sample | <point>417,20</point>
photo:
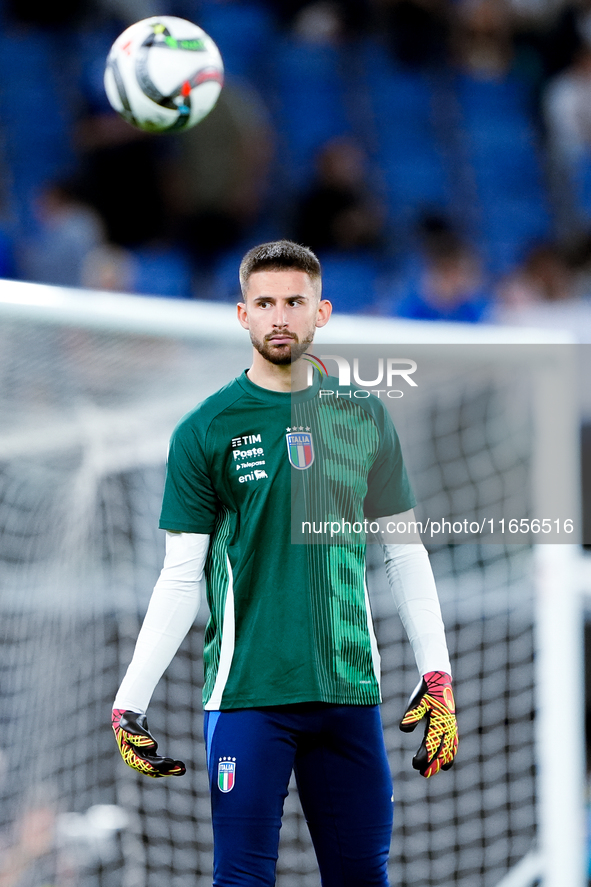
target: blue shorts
<point>339,758</point>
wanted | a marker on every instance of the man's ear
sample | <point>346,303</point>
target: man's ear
<point>324,312</point>
<point>242,314</point>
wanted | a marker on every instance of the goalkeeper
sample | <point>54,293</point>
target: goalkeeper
<point>291,661</point>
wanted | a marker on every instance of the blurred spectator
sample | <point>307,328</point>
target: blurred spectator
<point>567,111</point>
<point>545,276</point>
<point>570,28</point>
<point>66,231</point>
<point>121,177</point>
<point>345,17</point>
<point>562,306</point>
<point>216,179</point>
<point>482,40</point>
<point>551,290</point>
<point>580,260</point>
<point>319,23</point>
<point>339,213</point>
<point>447,283</point>
<point>417,30</point>
<point>109,267</point>
<point>568,108</point>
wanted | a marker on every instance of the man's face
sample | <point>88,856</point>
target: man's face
<point>281,310</point>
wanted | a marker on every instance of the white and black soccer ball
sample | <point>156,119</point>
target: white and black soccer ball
<point>163,74</point>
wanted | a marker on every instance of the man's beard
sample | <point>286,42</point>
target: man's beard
<point>282,355</point>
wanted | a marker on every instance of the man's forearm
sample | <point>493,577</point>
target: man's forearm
<point>172,610</point>
<point>413,588</point>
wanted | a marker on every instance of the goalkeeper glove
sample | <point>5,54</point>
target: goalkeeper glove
<point>138,746</point>
<point>434,700</point>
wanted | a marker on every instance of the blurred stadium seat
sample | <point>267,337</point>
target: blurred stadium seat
<point>34,112</point>
<point>309,100</point>
<point>243,33</point>
<point>162,271</point>
<point>350,281</point>
<point>502,149</point>
<point>407,149</point>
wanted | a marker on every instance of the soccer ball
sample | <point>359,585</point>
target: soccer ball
<point>163,74</point>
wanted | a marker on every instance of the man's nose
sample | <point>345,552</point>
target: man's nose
<point>279,316</point>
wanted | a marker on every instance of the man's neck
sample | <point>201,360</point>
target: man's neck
<point>285,377</point>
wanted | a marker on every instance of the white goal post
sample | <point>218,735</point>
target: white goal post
<point>97,341</point>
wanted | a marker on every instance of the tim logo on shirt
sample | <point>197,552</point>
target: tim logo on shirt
<point>300,448</point>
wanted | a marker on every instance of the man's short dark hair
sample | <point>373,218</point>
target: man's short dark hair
<point>280,255</point>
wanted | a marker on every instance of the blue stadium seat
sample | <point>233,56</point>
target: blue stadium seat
<point>500,147</point>
<point>406,150</point>
<point>162,272</point>
<point>243,32</point>
<point>309,103</point>
<point>224,284</point>
<point>350,281</point>
<point>396,91</point>
<point>92,47</point>
<point>24,55</point>
<point>581,187</point>
<point>509,226</point>
<point>483,100</point>
<point>35,113</point>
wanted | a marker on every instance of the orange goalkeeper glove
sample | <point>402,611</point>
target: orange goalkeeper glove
<point>138,746</point>
<point>433,700</point>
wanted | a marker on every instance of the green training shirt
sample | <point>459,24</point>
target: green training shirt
<point>289,620</point>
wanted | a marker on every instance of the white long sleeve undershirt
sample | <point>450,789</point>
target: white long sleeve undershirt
<point>177,594</point>
<point>172,610</point>
<point>413,587</point>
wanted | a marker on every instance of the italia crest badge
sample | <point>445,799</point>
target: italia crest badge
<point>300,448</point>
<point>226,774</point>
